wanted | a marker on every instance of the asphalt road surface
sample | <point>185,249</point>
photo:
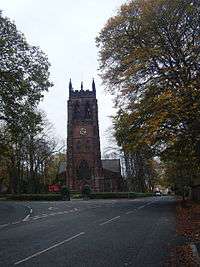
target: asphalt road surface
<point>87,233</point>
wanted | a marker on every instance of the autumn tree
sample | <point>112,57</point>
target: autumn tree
<point>54,173</point>
<point>141,167</point>
<point>150,60</point>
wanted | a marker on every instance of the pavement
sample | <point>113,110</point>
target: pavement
<point>87,233</point>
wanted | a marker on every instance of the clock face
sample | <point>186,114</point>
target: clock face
<point>83,131</point>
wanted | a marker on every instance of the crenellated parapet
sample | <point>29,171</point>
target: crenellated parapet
<point>82,93</point>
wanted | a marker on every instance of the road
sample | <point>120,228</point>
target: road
<point>87,233</point>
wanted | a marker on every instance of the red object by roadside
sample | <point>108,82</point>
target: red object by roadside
<point>54,188</point>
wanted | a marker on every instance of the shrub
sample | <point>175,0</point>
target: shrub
<point>86,191</point>
<point>109,195</point>
<point>39,197</point>
<point>65,193</point>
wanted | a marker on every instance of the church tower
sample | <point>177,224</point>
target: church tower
<point>84,165</point>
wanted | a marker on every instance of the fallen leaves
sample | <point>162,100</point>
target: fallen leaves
<point>182,256</point>
<point>187,225</point>
<point>188,220</point>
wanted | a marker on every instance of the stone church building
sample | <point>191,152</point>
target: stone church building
<point>84,165</point>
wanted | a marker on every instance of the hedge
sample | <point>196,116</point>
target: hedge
<point>57,196</point>
<point>107,195</point>
<point>28,197</point>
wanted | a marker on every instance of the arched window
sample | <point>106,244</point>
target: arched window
<point>83,171</point>
<point>78,145</point>
<point>88,145</point>
<point>88,111</point>
<point>76,111</point>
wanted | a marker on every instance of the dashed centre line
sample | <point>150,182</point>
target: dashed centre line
<point>140,207</point>
<point>47,249</point>
<point>115,218</point>
<point>69,239</point>
<point>131,211</point>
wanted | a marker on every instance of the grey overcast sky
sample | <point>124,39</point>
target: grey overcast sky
<point>65,30</point>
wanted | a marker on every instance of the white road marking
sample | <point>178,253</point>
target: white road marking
<point>131,211</point>
<point>31,210</point>
<point>71,211</point>
<point>26,218</point>
<point>40,216</point>
<point>68,206</point>
<point>115,218</point>
<point>52,208</point>
<point>141,207</point>
<point>23,220</point>
<point>4,225</point>
<point>36,216</point>
<point>52,214</point>
<point>47,249</point>
<point>16,222</point>
<point>150,203</point>
<point>44,215</point>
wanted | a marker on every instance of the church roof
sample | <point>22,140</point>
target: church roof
<point>107,164</point>
<point>111,165</point>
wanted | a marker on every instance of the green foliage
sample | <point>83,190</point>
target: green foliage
<point>23,74</point>
<point>39,197</point>
<point>149,58</point>
<point>110,195</point>
<point>55,196</point>
<point>53,168</point>
<point>24,77</point>
<point>86,191</point>
<point>65,191</point>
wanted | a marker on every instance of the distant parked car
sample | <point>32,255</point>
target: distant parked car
<point>157,194</point>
